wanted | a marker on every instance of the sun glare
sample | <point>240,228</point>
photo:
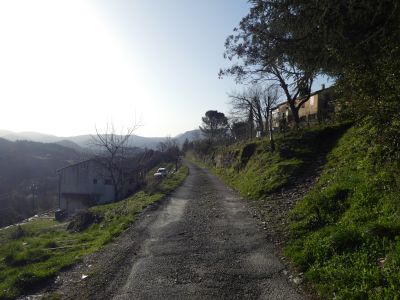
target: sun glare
<point>58,62</point>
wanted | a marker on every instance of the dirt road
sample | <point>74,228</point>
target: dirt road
<point>200,243</point>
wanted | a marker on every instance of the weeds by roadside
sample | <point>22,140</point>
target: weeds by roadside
<point>346,231</point>
<point>254,170</point>
<point>36,251</point>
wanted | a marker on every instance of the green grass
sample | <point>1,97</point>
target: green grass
<point>346,231</point>
<point>30,256</point>
<point>253,170</point>
<point>345,234</point>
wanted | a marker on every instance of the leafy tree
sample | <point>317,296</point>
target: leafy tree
<point>215,125</point>
<point>253,46</point>
<point>239,130</point>
<point>332,35</point>
<point>355,42</point>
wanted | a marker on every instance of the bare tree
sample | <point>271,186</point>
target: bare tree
<point>270,99</point>
<point>255,102</point>
<point>247,105</point>
<point>171,148</point>
<point>111,151</point>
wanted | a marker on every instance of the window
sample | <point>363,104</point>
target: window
<point>94,180</point>
<point>107,182</point>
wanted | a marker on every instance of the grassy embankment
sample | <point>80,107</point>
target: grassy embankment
<point>36,251</point>
<point>346,231</point>
<point>253,170</point>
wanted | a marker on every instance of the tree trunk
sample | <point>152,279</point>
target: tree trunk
<point>251,123</point>
<point>260,121</point>
<point>271,136</point>
<point>295,112</point>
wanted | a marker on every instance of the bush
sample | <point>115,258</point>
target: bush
<point>83,220</point>
<point>18,233</point>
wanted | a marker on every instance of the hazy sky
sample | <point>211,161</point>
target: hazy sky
<point>68,65</point>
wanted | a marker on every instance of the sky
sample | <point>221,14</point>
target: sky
<point>70,66</point>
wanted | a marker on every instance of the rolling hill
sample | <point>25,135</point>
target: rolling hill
<point>23,163</point>
<point>80,142</point>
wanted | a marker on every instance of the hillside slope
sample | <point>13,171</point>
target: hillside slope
<point>32,253</point>
<point>346,231</point>
<point>255,171</point>
<point>81,142</point>
<point>343,187</point>
<point>23,163</point>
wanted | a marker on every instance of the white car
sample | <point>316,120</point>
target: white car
<point>161,172</point>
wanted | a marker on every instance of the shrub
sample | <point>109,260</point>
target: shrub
<point>18,233</point>
<point>83,220</point>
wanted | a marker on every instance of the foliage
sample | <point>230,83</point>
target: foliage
<point>375,95</point>
<point>258,55</point>
<point>355,42</point>
<point>346,231</point>
<point>215,125</point>
<point>254,170</point>
<point>46,246</point>
<point>240,130</point>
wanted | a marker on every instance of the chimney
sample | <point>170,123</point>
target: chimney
<point>322,86</point>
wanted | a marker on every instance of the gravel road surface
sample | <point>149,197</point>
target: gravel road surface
<point>202,242</point>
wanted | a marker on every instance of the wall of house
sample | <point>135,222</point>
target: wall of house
<point>84,183</point>
<point>309,110</point>
<point>278,113</point>
<point>314,110</point>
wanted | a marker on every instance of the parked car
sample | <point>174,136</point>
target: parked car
<point>161,172</point>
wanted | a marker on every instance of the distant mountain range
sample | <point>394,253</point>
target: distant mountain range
<point>28,168</point>
<point>28,164</point>
<point>81,142</point>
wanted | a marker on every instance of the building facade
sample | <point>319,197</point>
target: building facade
<point>316,109</point>
<point>85,184</point>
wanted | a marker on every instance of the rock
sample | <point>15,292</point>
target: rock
<point>297,280</point>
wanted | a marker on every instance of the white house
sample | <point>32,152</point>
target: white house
<point>85,184</point>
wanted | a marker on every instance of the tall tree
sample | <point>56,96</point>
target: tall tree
<point>253,48</point>
<point>215,125</point>
<point>356,42</point>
